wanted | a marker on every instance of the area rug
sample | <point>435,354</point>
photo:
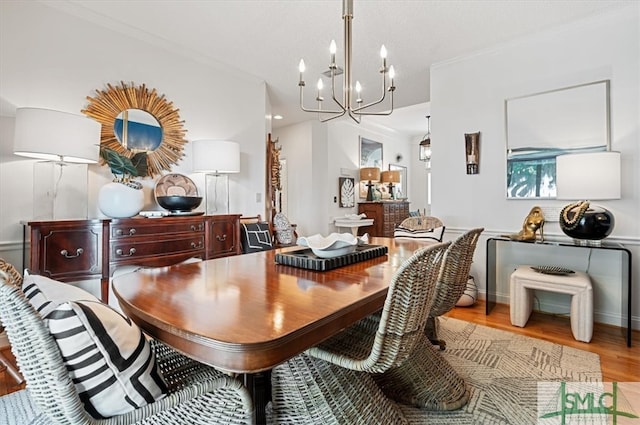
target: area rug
<point>502,370</point>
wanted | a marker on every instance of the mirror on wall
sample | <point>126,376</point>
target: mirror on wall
<point>542,126</point>
<point>137,119</point>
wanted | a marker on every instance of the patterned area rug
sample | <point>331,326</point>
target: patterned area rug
<point>502,370</point>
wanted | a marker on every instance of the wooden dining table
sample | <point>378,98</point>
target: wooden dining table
<point>246,314</point>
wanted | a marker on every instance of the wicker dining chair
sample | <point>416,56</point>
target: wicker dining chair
<point>452,281</point>
<point>15,279</point>
<point>198,394</point>
<point>376,346</point>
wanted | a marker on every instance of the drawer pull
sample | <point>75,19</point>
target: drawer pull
<point>221,238</point>
<point>122,254</point>
<point>119,232</point>
<point>196,228</point>
<point>196,245</point>
<point>65,253</point>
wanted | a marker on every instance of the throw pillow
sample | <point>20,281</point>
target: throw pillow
<point>256,237</point>
<point>46,294</point>
<point>435,233</point>
<point>108,358</point>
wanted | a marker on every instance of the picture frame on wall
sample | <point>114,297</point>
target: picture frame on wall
<point>346,192</point>
<point>370,156</point>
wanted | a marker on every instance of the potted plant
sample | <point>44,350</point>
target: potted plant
<point>123,197</point>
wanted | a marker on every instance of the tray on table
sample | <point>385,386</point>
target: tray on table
<point>304,258</point>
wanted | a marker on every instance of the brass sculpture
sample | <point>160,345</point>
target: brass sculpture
<point>533,222</point>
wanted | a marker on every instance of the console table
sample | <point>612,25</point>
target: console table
<point>625,307</point>
<point>72,250</point>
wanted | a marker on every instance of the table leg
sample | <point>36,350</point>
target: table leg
<point>259,385</point>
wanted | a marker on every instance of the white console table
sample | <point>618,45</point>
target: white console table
<point>353,224</point>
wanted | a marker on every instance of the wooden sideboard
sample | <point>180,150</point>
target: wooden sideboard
<point>386,216</point>
<point>72,250</point>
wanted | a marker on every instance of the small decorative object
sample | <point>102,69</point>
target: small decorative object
<point>347,192</point>
<point>178,194</point>
<point>334,245</point>
<point>472,149</point>
<point>283,229</point>
<point>533,222</point>
<point>370,174</point>
<point>123,197</point>
<point>558,271</point>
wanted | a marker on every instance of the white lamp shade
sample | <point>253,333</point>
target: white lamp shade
<point>216,156</point>
<point>56,136</point>
<point>588,176</point>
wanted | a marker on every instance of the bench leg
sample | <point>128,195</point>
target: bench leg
<point>582,315</point>
<point>521,303</point>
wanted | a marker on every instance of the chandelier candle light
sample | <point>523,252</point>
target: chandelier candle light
<point>346,105</point>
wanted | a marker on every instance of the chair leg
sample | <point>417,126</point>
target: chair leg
<point>11,370</point>
<point>431,331</point>
<point>425,380</point>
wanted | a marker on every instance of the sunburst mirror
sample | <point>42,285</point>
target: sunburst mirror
<point>137,119</point>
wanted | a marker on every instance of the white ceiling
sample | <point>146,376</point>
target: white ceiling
<point>267,38</point>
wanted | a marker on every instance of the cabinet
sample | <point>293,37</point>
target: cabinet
<point>71,250</point>
<point>386,216</point>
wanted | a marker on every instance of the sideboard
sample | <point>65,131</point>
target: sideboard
<point>72,250</point>
<point>386,216</point>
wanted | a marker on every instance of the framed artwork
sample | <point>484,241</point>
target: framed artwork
<point>542,126</point>
<point>347,192</point>
<point>401,191</point>
<point>370,156</point>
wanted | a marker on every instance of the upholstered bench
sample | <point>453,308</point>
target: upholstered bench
<point>578,284</point>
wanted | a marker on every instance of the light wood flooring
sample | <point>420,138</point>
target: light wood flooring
<point>619,363</point>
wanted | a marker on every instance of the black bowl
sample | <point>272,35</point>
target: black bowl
<point>179,203</point>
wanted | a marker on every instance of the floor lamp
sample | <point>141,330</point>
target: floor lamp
<point>217,159</point>
<point>67,143</point>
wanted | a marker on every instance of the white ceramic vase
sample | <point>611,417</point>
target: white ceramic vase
<point>117,200</point>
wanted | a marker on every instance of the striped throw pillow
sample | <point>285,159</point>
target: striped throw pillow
<point>46,294</point>
<point>108,358</point>
<point>435,233</point>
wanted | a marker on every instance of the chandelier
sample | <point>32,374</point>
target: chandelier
<point>346,105</point>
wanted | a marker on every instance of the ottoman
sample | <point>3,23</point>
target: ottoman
<point>578,284</point>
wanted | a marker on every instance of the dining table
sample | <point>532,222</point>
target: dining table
<point>246,314</point>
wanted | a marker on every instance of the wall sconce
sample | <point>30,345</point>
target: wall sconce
<point>472,151</point>
<point>593,175</point>
<point>370,174</point>
<point>424,151</point>
<point>216,158</point>
<point>391,177</point>
<point>67,143</point>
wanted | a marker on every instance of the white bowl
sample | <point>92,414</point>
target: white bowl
<point>334,245</point>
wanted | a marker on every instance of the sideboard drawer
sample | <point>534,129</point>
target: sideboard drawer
<point>140,227</point>
<point>134,250</point>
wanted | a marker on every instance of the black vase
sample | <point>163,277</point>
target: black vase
<point>596,223</point>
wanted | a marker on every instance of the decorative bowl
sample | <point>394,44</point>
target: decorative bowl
<point>334,245</point>
<point>179,203</point>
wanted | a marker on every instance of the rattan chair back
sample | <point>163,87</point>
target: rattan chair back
<point>377,344</point>
<point>454,272</point>
<point>196,390</point>
<point>421,223</point>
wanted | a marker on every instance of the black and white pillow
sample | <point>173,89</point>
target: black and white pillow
<point>46,294</point>
<point>108,358</point>
<point>255,237</point>
<point>434,234</point>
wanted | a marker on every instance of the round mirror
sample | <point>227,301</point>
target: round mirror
<point>136,119</point>
<point>138,130</point>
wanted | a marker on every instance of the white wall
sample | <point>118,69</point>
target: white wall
<point>54,60</point>
<point>468,95</point>
<point>318,154</point>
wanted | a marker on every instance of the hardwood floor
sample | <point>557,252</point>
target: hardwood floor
<point>619,363</point>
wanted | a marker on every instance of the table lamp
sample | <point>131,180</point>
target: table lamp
<point>67,143</point>
<point>217,159</point>
<point>391,177</point>
<point>370,174</point>
<point>583,177</point>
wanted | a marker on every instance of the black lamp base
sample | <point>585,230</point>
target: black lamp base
<point>586,224</point>
<point>370,191</point>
